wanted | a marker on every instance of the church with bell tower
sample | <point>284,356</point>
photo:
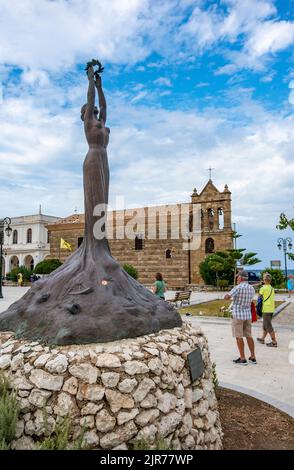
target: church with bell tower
<point>216,224</point>
<point>163,251</point>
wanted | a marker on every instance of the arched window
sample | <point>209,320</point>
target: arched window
<point>209,245</point>
<point>29,235</point>
<point>29,262</point>
<point>210,218</point>
<point>220,213</point>
<point>14,262</point>
<point>15,237</point>
<point>168,254</point>
<point>138,243</point>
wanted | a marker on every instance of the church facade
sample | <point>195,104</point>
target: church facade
<point>28,243</point>
<point>171,239</point>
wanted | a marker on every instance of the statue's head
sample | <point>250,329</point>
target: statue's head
<point>83,110</point>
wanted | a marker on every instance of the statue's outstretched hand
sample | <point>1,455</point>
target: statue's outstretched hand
<point>98,81</point>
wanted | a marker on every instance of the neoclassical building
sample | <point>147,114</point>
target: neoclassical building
<point>171,239</point>
<point>28,243</point>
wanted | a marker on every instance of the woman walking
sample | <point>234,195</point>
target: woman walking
<point>159,286</point>
<point>268,307</point>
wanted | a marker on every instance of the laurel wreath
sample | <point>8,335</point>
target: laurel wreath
<point>95,63</point>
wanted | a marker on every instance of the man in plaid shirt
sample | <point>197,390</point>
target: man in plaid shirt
<point>242,296</point>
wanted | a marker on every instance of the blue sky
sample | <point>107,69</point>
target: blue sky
<point>189,84</point>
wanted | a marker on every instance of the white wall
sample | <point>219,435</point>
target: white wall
<point>38,249</point>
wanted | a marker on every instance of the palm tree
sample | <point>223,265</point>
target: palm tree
<point>244,259</point>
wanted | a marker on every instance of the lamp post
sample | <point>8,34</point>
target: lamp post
<point>3,222</point>
<point>285,243</point>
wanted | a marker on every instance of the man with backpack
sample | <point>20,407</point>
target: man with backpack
<point>242,296</point>
<point>268,307</point>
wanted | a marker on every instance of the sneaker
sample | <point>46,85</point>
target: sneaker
<point>272,345</point>
<point>260,340</point>
<point>242,362</point>
<point>252,360</point>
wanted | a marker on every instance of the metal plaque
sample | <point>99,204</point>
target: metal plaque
<point>196,364</point>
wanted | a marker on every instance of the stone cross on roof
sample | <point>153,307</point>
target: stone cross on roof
<point>210,171</point>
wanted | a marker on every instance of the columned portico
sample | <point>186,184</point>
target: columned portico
<point>29,244</point>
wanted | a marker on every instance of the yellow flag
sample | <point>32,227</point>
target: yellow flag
<point>64,244</point>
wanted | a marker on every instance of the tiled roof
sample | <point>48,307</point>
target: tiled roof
<point>71,219</point>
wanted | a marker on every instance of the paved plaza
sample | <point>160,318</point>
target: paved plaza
<point>271,380</point>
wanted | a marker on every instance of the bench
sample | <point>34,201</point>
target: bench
<point>181,297</point>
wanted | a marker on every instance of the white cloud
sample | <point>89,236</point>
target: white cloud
<point>243,16</point>
<point>268,77</point>
<point>202,85</point>
<point>35,77</point>
<point>55,35</point>
<point>163,81</point>
<point>40,35</point>
<point>139,96</point>
<point>270,37</point>
<point>203,26</point>
<point>165,93</point>
<point>249,25</point>
<point>226,69</point>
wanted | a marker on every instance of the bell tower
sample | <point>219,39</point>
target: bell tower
<point>216,224</point>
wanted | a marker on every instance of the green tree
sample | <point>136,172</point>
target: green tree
<point>284,224</point>
<point>47,266</point>
<point>217,266</point>
<point>131,270</point>
<point>12,276</point>
<point>277,277</point>
<point>244,259</point>
<point>222,265</point>
<point>208,276</point>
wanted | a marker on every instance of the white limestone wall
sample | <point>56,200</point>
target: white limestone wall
<point>120,392</point>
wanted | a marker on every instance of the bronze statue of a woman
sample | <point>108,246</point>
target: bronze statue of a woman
<point>90,298</point>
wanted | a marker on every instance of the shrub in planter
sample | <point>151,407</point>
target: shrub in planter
<point>9,412</point>
<point>47,266</point>
<point>223,284</point>
<point>131,270</point>
<point>26,273</point>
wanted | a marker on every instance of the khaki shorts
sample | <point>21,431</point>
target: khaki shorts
<point>267,322</point>
<point>241,328</point>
